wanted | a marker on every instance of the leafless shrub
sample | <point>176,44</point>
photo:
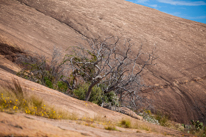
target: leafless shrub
<point>103,63</point>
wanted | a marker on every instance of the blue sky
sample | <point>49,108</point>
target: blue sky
<point>189,9</point>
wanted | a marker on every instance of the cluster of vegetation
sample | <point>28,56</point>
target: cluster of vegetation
<point>13,99</point>
<point>52,74</point>
<point>162,119</point>
<point>108,125</point>
<point>158,118</point>
<point>98,121</point>
<point>126,123</point>
<point>197,128</point>
<point>97,96</point>
<point>100,73</point>
<point>110,128</point>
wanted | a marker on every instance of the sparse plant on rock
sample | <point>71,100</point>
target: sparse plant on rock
<point>102,63</point>
<point>36,68</point>
<point>125,123</point>
<point>162,119</point>
<point>13,99</point>
<point>198,125</point>
<point>147,115</point>
<point>197,128</point>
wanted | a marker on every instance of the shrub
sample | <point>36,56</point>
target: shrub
<point>197,125</point>
<point>36,68</point>
<point>97,95</point>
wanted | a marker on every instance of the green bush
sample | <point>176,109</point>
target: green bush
<point>48,82</point>
<point>97,95</point>
<point>62,86</point>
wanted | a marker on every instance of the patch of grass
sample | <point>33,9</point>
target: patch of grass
<point>110,128</point>
<point>126,123</point>
<point>99,118</point>
<point>144,127</point>
<point>13,99</point>
<point>73,116</point>
<point>89,124</point>
<point>103,120</point>
<point>97,121</point>
<point>110,125</point>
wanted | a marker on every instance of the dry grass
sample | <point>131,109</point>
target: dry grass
<point>144,127</point>
<point>13,99</point>
<point>126,123</point>
<point>110,128</point>
<point>201,133</point>
<point>72,116</point>
<point>97,121</point>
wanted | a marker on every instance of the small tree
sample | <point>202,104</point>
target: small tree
<point>103,63</point>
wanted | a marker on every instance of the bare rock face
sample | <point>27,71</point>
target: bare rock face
<point>40,25</point>
<point>12,125</point>
<point>129,112</point>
